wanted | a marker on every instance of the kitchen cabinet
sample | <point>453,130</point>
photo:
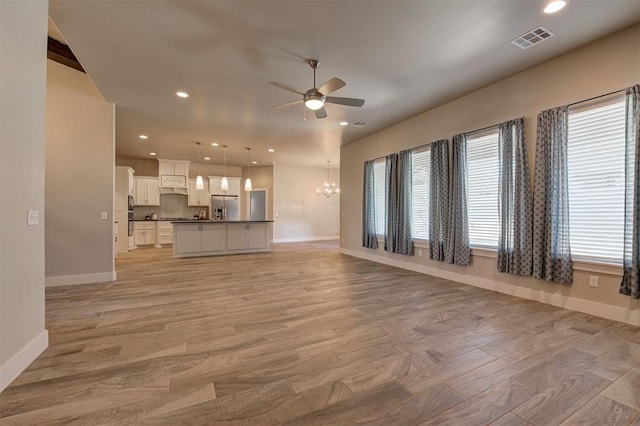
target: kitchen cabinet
<point>198,238</point>
<point>215,182</point>
<point>164,233</point>
<point>247,235</point>
<point>198,198</point>
<point>130,182</point>
<point>144,233</point>
<point>173,173</point>
<point>124,186</point>
<point>147,191</point>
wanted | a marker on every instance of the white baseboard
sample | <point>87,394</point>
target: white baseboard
<point>303,239</point>
<point>20,361</point>
<point>615,313</point>
<point>59,280</point>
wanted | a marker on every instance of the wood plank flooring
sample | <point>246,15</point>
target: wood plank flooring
<point>306,336</point>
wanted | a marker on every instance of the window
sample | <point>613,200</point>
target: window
<point>595,163</point>
<point>482,189</point>
<point>420,192</point>
<point>379,186</point>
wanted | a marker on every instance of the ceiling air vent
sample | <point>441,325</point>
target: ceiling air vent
<point>532,37</point>
<point>359,124</point>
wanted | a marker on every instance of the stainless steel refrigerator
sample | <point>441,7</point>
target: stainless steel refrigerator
<point>225,207</point>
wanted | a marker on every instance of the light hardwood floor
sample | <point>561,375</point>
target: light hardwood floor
<point>307,336</point>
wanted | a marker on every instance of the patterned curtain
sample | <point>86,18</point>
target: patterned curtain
<point>551,250</point>
<point>404,243</point>
<point>456,249</point>
<point>369,239</point>
<point>516,228</point>
<point>630,285</point>
<point>391,178</point>
<point>438,199</point>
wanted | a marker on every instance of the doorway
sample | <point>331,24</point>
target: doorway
<point>258,204</point>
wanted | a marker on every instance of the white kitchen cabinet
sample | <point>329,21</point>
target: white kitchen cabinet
<point>198,198</point>
<point>147,191</point>
<point>173,173</point>
<point>144,233</point>
<point>215,183</point>
<point>197,238</point>
<point>247,236</point>
<point>130,182</point>
<point>164,233</point>
<point>124,186</point>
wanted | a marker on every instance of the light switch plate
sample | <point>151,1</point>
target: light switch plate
<point>33,217</point>
<point>104,215</point>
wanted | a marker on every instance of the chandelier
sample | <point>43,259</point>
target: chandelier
<point>328,189</point>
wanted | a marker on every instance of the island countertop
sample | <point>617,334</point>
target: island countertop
<point>218,237</point>
<point>220,221</point>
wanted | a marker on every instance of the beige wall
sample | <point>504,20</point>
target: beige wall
<point>79,179</point>
<point>606,65</point>
<point>299,213</point>
<point>23,31</point>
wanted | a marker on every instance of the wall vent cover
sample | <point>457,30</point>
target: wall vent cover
<point>359,124</point>
<point>530,38</point>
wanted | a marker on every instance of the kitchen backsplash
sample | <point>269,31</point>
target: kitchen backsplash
<point>171,205</point>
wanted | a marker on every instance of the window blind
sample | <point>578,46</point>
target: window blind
<point>595,163</point>
<point>482,189</point>
<point>420,190</point>
<point>379,184</point>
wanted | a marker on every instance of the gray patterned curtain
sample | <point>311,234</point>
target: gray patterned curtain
<point>404,243</point>
<point>438,199</point>
<point>456,249</point>
<point>369,239</point>
<point>630,285</point>
<point>551,249</point>
<point>516,228</point>
<point>391,178</point>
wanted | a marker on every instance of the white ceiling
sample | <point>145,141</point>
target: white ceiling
<point>402,57</point>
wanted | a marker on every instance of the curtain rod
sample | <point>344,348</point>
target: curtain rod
<point>597,97</point>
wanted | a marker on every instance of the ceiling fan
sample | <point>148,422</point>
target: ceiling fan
<point>314,99</point>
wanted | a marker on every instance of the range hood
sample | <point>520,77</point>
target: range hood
<point>174,176</point>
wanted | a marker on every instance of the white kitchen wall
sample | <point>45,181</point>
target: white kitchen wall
<point>23,52</point>
<point>79,179</point>
<point>299,213</point>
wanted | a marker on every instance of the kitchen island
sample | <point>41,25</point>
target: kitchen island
<point>218,237</point>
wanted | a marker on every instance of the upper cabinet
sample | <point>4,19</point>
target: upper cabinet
<point>147,191</point>
<point>216,181</point>
<point>124,186</point>
<point>198,197</point>
<point>173,173</point>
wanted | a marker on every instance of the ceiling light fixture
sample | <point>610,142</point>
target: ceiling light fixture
<point>224,184</point>
<point>329,189</point>
<point>344,123</point>
<point>181,94</point>
<point>314,101</point>
<point>207,158</point>
<point>554,6</point>
<point>247,183</point>
<point>143,137</point>
<point>271,150</point>
<point>199,180</point>
<point>214,144</point>
<point>153,154</point>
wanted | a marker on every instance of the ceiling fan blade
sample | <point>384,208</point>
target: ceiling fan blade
<point>285,87</point>
<point>331,86</point>
<point>345,101</point>
<point>286,104</point>
<point>320,113</point>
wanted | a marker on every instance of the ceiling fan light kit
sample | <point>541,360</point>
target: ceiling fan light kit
<point>315,98</point>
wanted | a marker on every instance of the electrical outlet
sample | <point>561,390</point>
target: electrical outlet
<point>593,281</point>
<point>419,252</point>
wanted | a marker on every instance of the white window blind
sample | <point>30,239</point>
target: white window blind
<point>420,192</point>
<point>595,156</point>
<point>379,184</point>
<point>482,189</point>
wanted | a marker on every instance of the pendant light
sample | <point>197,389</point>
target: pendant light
<point>247,183</point>
<point>329,189</point>
<point>224,184</point>
<point>199,181</point>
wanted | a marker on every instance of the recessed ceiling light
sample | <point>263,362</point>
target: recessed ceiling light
<point>214,144</point>
<point>153,154</point>
<point>271,150</point>
<point>207,158</point>
<point>182,94</point>
<point>143,137</point>
<point>254,162</point>
<point>554,6</point>
<point>344,123</point>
